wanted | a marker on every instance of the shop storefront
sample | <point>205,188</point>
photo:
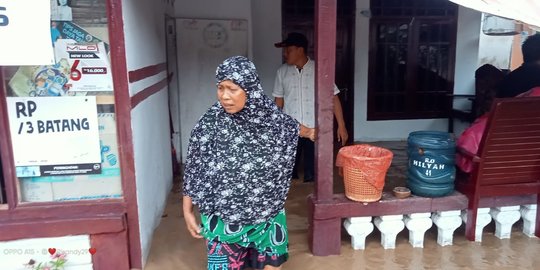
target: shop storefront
<point>67,168</point>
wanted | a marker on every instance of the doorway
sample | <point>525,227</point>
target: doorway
<point>174,93</point>
<point>299,16</point>
<point>202,44</point>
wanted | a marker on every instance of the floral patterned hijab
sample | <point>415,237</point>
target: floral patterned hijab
<point>239,166</point>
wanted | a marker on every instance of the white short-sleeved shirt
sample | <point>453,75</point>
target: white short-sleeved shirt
<point>298,91</point>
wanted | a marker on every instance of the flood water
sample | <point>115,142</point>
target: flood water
<point>174,249</point>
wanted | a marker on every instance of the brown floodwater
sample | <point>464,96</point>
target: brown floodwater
<point>174,249</point>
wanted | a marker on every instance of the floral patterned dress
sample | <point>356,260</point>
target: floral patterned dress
<point>239,166</point>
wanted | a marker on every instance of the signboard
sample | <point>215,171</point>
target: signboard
<point>90,70</point>
<point>107,184</point>
<point>54,131</point>
<point>25,33</point>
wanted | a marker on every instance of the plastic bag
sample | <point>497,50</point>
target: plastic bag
<point>372,160</point>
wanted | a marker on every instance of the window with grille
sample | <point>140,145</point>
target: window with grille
<point>412,49</point>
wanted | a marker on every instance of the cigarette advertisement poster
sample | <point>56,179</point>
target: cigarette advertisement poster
<point>25,33</point>
<point>70,30</point>
<point>54,135</point>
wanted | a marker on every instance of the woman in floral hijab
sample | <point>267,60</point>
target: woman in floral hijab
<point>238,171</point>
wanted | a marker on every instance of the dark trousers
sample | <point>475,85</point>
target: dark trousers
<point>306,147</point>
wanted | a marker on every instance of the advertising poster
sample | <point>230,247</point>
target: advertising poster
<point>54,135</point>
<point>52,80</point>
<point>37,81</point>
<point>25,33</point>
<point>90,70</point>
<point>70,30</point>
<point>61,10</point>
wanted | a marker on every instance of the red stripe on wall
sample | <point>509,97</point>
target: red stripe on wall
<point>145,72</point>
<point>147,92</point>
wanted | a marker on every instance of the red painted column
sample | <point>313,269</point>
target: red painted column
<point>325,234</point>
<point>111,250</point>
<point>123,127</point>
<point>325,57</point>
<point>6,151</point>
<point>537,228</point>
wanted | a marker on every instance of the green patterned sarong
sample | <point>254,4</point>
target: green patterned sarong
<point>268,239</point>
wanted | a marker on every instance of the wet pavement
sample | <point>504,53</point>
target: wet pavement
<point>173,248</point>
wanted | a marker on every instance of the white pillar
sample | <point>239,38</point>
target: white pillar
<point>505,217</point>
<point>418,224</point>
<point>358,228</point>
<point>389,226</point>
<point>483,218</point>
<point>528,213</point>
<point>447,222</point>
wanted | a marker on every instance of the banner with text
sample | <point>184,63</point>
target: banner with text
<point>25,32</point>
<point>53,131</point>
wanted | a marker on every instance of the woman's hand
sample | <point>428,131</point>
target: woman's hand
<point>191,223</point>
<point>191,220</point>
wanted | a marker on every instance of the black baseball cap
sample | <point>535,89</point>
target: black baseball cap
<point>293,39</point>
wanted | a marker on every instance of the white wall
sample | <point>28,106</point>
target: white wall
<point>153,170</point>
<point>495,50</point>
<point>467,57</point>
<point>467,39</point>
<point>266,16</point>
<point>145,46</point>
<point>216,9</point>
<point>467,43</point>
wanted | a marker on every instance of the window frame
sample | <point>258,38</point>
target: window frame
<point>15,209</point>
<point>412,61</point>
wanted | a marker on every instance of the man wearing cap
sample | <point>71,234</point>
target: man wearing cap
<point>294,92</point>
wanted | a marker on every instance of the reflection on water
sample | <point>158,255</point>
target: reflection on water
<point>519,252</point>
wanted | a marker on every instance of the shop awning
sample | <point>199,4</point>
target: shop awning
<point>525,11</point>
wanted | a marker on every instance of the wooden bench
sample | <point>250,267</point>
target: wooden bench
<point>508,159</point>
